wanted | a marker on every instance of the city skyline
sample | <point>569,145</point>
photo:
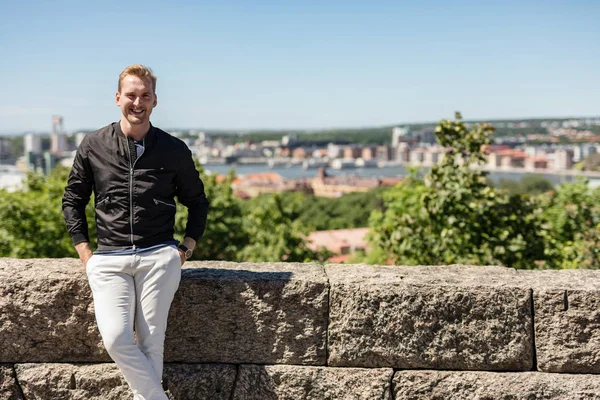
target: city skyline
<point>309,66</point>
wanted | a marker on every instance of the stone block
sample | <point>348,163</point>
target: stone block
<point>437,385</point>
<point>72,382</point>
<point>199,381</point>
<point>285,382</point>
<point>9,389</point>
<point>46,312</point>
<point>223,312</point>
<point>105,382</point>
<point>441,317</point>
<point>264,313</point>
<point>566,319</point>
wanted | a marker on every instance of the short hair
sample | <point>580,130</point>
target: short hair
<point>141,72</point>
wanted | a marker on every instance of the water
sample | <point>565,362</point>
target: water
<point>296,171</point>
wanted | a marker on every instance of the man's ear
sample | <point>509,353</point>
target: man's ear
<point>117,98</point>
<point>155,101</point>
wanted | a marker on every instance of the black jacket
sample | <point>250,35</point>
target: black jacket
<point>134,201</point>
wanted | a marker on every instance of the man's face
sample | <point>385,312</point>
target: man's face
<point>136,99</point>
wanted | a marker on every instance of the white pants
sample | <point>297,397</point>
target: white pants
<point>135,290</point>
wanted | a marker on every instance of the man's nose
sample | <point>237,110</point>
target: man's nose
<point>136,101</point>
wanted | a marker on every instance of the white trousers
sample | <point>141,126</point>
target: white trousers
<point>135,290</point>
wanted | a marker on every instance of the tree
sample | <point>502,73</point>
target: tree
<point>32,219</point>
<point>275,236</point>
<point>529,184</point>
<point>225,236</point>
<point>351,210</point>
<point>454,216</point>
<point>572,215</point>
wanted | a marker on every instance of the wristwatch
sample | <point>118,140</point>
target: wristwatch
<point>187,252</point>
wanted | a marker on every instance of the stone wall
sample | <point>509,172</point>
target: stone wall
<point>304,331</point>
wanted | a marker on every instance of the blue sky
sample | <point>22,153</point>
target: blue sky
<point>299,64</point>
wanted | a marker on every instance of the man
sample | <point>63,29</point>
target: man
<point>135,171</point>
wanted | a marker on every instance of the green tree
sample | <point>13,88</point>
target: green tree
<point>225,236</point>
<point>32,219</point>
<point>454,216</point>
<point>275,235</point>
<point>572,215</point>
<point>314,213</point>
<point>529,184</point>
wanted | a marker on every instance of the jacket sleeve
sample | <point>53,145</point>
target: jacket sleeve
<point>77,195</point>
<point>190,193</point>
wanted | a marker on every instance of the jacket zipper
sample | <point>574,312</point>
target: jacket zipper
<point>157,202</point>
<point>131,167</point>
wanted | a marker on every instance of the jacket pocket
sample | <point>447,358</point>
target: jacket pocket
<point>103,201</point>
<point>160,202</point>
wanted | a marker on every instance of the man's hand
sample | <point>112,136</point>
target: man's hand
<point>85,252</point>
<point>181,255</point>
<point>190,244</point>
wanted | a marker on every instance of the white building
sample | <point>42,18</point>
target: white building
<point>58,143</point>
<point>399,134</point>
<point>32,143</point>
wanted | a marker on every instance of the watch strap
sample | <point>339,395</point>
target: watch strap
<point>187,252</point>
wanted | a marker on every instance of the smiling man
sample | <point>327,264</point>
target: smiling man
<point>135,171</point>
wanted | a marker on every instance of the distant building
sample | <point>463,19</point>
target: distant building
<point>32,143</point>
<point>536,162</point>
<point>427,135</point>
<point>351,152</point>
<point>563,159</point>
<point>58,143</point>
<point>341,242</point>
<point>288,140</point>
<point>5,148</point>
<point>299,153</point>
<point>433,156</point>
<point>58,139</point>
<point>368,153</point>
<point>49,162</point>
<point>252,185</point>
<point>334,151</point>
<point>417,156</point>
<point>383,153</point>
<point>400,134</point>
<point>402,153</point>
<point>336,186</point>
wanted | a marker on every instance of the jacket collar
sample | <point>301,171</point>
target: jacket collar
<point>149,139</point>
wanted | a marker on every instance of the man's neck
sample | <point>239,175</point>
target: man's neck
<point>136,132</point>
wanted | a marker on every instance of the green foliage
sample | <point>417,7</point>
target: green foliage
<point>33,224</point>
<point>572,215</point>
<point>529,184</point>
<point>224,237</point>
<point>275,236</point>
<point>454,216</point>
<point>32,219</point>
<point>314,213</point>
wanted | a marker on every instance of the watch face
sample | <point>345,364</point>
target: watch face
<point>188,253</point>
